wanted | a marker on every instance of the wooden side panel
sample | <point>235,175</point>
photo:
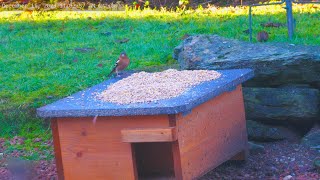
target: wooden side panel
<point>96,151</point>
<point>135,135</point>
<point>211,134</point>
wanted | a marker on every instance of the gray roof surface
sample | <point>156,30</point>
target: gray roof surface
<point>85,103</point>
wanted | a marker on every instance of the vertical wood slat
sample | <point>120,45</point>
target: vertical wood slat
<point>135,168</point>
<point>175,150</point>
<point>57,148</point>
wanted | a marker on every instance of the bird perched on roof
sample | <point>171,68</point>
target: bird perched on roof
<point>122,62</point>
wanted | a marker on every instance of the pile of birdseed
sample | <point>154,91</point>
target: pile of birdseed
<point>146,87</point>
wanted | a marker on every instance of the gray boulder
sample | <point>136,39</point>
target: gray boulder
<point>274,64</point>
<point>312,139</point>
<point>316,164</point>
<point>298,105</point>
<point>261,132</point>
<point>255,148</point>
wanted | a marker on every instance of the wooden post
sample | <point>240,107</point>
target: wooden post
<point>57,148</point>
<point>175,150</point>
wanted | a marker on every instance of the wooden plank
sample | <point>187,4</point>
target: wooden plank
<point>134,161</point>
<point>211,134</point>
<point>57,149</point>
<point>175,150</point>
<point>95,150</point>
<point>176,160</point>
<point>135,135</point>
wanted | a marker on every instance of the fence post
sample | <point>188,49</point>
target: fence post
<point>290,22</point>
<point>250,23</point>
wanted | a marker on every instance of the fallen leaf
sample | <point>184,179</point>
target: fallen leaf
<point>84,50</point>
<point>92,27</point>
<point>37,140</point>
<point>271,24</point>
<point>185,36</point>
<point>106,33</point>
<point>11,27</point>
<point>60,51</point>
<point>17,140</point>
<point>116,27</point>
<point>28,11</point>
<point>124,40</point>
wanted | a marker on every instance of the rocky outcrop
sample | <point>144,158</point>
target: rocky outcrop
<point>261,132</point>
<point>312,139</point>
<point>316,164</point>
<point>255,148</point>
<point>274,64</point>
<point>290,104</point>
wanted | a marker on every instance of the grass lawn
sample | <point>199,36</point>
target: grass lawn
<point>45,56</point>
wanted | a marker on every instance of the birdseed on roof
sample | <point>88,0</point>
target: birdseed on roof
<point>147,87</point>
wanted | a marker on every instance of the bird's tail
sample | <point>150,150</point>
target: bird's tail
<point>111,72</point>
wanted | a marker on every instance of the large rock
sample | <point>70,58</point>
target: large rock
<point>282,105</point>
<point>312,139</point>
<point>255,148</point>
<point>316,164</point>
<point>261,132</point>
<point>274,64</point>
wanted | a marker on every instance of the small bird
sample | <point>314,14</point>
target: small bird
<point>262,36</point>
<point>122,62</point>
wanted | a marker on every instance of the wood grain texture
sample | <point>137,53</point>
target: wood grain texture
<point>135,135</point>
<point>96,151</point>
<point>57,148</point>
<point>211,134</point>
<point>134,161</point>
<point>175,150</point>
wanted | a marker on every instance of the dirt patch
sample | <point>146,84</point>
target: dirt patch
<point>279,160</point>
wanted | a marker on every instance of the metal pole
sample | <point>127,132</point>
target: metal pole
<point>290,22</point>
<point>250,23</point>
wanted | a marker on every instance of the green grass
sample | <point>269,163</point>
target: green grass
<point>37,57</point>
